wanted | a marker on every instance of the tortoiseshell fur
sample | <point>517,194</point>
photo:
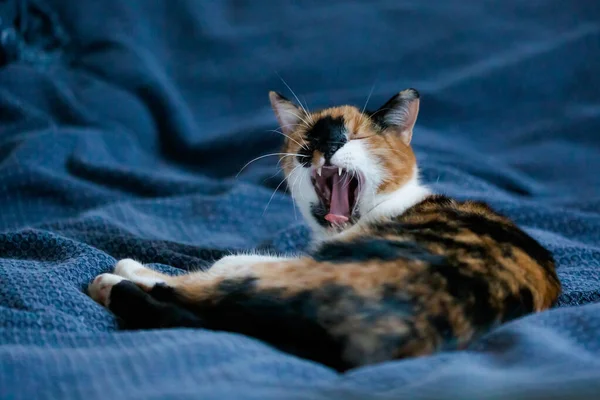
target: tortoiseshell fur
<point>432,277</point>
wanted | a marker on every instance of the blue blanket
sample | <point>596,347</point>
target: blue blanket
<point>123,125</point>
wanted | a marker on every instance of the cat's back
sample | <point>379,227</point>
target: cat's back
<point>482,249</point>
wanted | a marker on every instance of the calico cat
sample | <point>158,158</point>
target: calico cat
<point>394,272</point>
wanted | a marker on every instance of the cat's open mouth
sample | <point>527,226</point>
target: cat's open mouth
<point>338,191</point>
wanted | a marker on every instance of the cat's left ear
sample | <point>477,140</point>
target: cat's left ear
<point>288,114</point>
<point>400,113</point>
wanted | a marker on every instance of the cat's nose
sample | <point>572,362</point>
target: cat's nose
<point>329,150</point>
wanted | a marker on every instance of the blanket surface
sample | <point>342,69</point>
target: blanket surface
<point>123,125</point>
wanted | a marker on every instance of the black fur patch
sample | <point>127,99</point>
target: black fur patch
<point>327,135</point>
<point>398,101</point>
<point>437,199</point>
<point>289,323</point>
<point>509,234</point>
<point>503,233</point>
<point>163,292</point>
<point>471,290</point>
<point>432,232</point>
<point>437,227</point>
<point>319,211</point>
<point>517,306</point>
<point>394,300</point>
<point>451,245</point>
<point>140,310</point>
<point>373,249</point>
<point>444,328</point>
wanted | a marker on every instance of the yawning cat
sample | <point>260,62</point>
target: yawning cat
<point>394,270</point>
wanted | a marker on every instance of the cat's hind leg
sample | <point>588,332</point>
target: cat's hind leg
<point>293,304</point>
<point>145,298</point>
<point>137,308</point>
<point>138,294</point>
<point>100,288</point>
<point>156,284</point>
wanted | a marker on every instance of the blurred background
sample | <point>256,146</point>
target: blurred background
<point>123,125</point>
<point>506,78</point>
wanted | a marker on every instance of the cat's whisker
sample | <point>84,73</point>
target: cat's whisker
<point>279,163</point>
<point>348,180</point>
<point>268,155</point>
<point>360,186</point>
<point>294,206</point>
<point>289,125</point>
<point>380,110</point>
<point>274,175</point>
<point>273,195</point>
<point>277,188</point>
<point>302,176</point>
<point>376,205</point>
<point>368,98</point>
<point>293,199</point>
<point>372,194</point>
<point>307,123</point>
<point>356,176</point>
<point>293,183</point>
<point>293,203</point>
<point>287,136</point>
<point>296,97</point>
<point>306,110</point>
<point>300,137</point>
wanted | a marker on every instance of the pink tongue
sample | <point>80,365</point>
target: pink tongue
<point>336,219</point>
<point>339,209</point>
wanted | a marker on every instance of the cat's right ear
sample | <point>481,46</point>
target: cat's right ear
<point>288,114</point>
<point>400,113</point>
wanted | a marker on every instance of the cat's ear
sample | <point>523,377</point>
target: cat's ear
<point>400,113</point>
<point>288,114</point>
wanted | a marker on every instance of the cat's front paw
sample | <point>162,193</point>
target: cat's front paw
<point>136,272</point>
<point>100,288</point>
<point>128,268</point>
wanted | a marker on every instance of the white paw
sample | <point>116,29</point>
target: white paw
<point>127,268</point>
<point>99,289</point>
<point>137,273</point>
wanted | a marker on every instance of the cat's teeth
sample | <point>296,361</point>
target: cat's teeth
<point>340,171</point>
<point>319,171</point>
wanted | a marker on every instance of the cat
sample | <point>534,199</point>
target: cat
<point>394,271</point>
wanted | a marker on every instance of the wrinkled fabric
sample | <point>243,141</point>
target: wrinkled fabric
<point>123,126</point>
